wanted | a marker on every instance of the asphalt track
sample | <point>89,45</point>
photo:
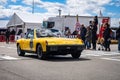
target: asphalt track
<point>92,65</point>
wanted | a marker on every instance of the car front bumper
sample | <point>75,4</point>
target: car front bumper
<point>64,49</point>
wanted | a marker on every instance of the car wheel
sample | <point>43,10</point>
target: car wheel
<point>40,52</point>
<point>76,55</point>
<point>19,51</point>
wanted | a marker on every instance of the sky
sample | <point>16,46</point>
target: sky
<point>49,8</point>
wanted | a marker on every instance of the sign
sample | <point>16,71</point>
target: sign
<point>105,20</point>
<point>77,26</point>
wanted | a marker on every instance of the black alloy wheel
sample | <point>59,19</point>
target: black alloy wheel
<point>19,51</point>
<point>40,52</point>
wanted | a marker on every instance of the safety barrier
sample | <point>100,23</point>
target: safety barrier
<point>2,38</point>
<point>12,38</point>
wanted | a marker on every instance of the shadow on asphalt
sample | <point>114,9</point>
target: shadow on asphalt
<point>62,59</point>
<point>58,58</point>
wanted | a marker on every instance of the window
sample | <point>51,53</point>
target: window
<point>38,33</point>
<point>30,34</point>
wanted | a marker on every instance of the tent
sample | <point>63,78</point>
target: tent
<point>24,21</point>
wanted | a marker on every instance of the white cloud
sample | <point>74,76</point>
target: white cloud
<point>19,8</point>
<point>83,7</point>
<point>115,3</point>
<point>72,7</point>
<point>3,2</point>
<point>29,2</point>
<point>7,12</point>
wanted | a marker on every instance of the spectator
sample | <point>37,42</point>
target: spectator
<point>67,31</point>
<point>100,37</point>
<point>75,32</point>
<point>19,32</point>
<point>96,20</point>
<point>107,37</point>
<point>90,24</point>
<point>118,37</point>
<point>94,35</point>
<point>13,32</point>
<point>7,34</point>
<point>94,32</point>
<point>88,37</point>
<point>83,32</point>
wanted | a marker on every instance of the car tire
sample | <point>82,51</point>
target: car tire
<point>19,51</point>
<point>76,55</point>
<point>40,52</point>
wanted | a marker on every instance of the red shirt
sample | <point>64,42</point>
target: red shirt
<point>102,29</point>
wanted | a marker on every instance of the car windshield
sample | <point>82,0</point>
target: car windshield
<point>45,33</point>
<point>54,30</point>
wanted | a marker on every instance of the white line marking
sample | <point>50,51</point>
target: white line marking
<point>8,47</point>
<point>111,59</point>
<point>98,53</point>
<point>8,58</point>
<point>11,48</point>
<point>2,46</point>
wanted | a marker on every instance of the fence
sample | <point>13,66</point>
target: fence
<point>12,38</point>
<point>2,38</point>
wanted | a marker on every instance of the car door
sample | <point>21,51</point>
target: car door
<point>29,40</point>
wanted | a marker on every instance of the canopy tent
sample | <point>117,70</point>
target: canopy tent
<point>24,21</point>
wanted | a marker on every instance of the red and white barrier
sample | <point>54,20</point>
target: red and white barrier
<point>2,38</point>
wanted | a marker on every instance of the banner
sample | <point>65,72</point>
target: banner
<point>105,20</point>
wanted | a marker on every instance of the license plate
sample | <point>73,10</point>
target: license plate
<point>68,47</point>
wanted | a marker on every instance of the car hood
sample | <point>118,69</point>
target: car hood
<point>62,41</point>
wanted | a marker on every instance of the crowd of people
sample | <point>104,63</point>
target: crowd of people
<point>8,33</point>
<point>87,34</point>
<point>11,34</point>
<point>91,38</point>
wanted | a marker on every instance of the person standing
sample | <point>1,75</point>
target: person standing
<point>83,32</point>
<point>96,20</point>
<point>13,32</point>
<point>107,37</point>
<point>94,35</point>
<point>7,34</point>
<point>118,37</point>
<point>67,32</point>
<point>88,37</point>
<point>100,37</point>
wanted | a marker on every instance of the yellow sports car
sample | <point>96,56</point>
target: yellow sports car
<point>44,42</point>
